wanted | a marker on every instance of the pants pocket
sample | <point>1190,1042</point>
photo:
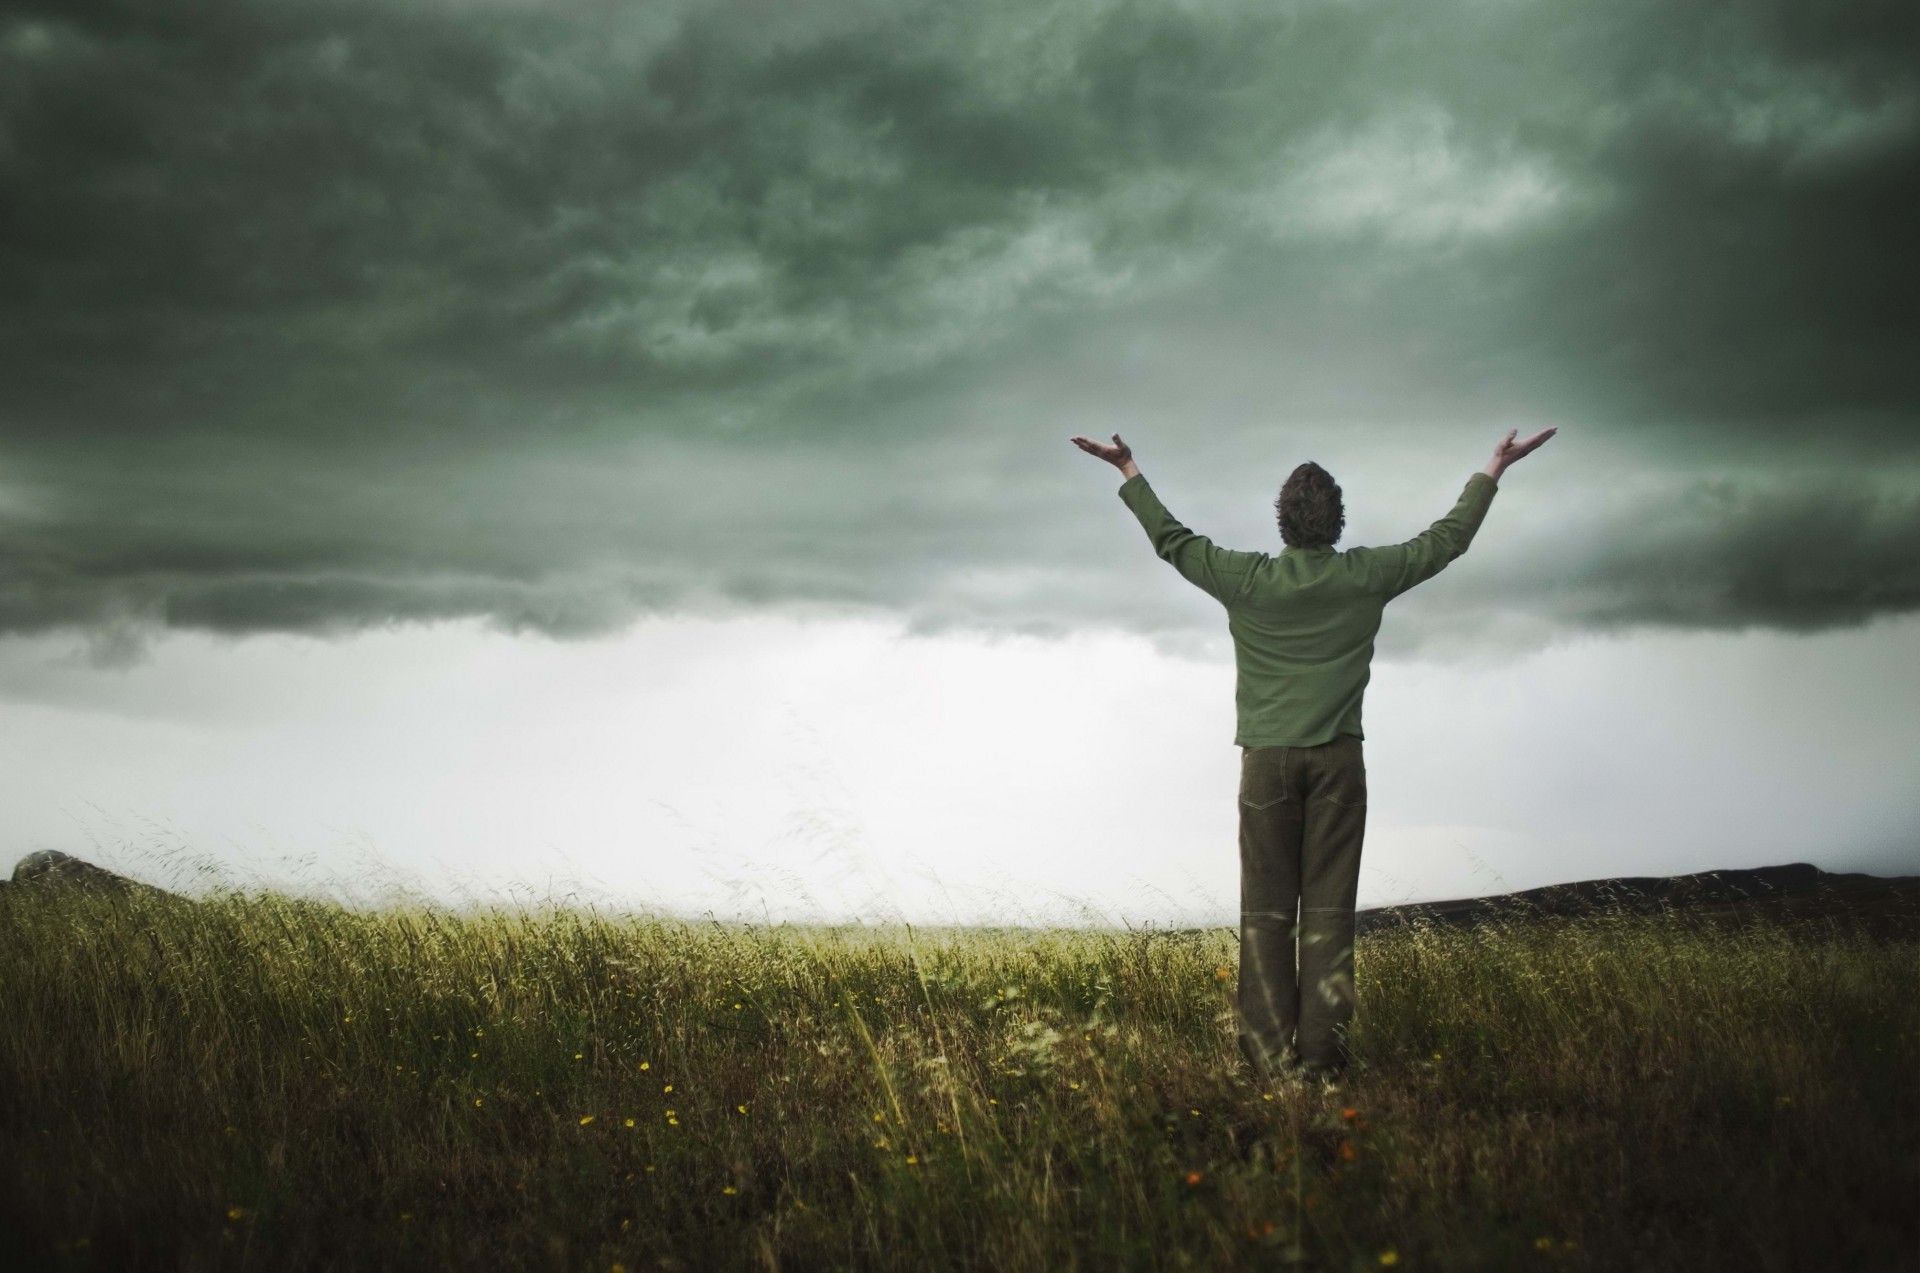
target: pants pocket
<point>1345,781</point>
<point>1263,777</point>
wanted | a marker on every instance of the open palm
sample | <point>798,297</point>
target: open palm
<point>1508,451</point>
<point>1117,455</point>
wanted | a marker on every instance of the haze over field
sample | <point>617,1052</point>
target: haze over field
<point>527,443</point>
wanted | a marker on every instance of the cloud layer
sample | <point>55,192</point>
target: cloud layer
<point>319,316</point>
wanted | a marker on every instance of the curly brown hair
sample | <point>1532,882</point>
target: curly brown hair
<point>1309,508</point>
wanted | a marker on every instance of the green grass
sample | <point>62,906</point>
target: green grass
<point>270,1083</point>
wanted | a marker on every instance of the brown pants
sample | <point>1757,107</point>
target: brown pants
<point>1303,814</point>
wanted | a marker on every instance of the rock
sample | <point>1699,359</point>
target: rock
<point>52,868</point>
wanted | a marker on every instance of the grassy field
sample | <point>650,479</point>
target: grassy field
<point>267,1083</point>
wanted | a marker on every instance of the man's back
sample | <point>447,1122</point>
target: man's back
<point>1303,622</point>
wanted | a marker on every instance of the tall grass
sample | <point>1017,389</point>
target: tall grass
<point>257,1081</point>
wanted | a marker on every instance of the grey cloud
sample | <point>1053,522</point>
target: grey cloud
<point>319,316</point>
<point>1724,554</point>
<point>1711,553</point>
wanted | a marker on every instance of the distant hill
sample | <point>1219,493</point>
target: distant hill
<point>1889,905</point>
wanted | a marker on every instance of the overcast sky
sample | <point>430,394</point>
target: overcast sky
<point>625,445</point>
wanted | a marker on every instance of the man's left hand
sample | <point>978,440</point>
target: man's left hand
<point>1119,454</point>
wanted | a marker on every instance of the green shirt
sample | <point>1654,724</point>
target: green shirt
<point>1303,622</point>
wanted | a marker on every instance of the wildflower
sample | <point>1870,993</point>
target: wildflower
<point>1193,1177</point>
<point>912,1161</point>
<point>347,1018</point>
<point>1346,1150</point>
<point>1074,1086</point>
<point>729,1189</point>
<point>741,1108</point>
<point>1222,972</point>
<point>646,1065</point>
<point>1349,1114</point>
<point>1543,1244</point>
<point>579,1056</point>
<point>667,1088</point>
<point>736,1007</point>
<point>1389,1257</point>
<point>234,1213</point>
<point>476,1102</point>
<point>879,1118</point>
<point>470,1055</point>
<point>629,1122</point>
<point>1194,1112</point>
<point>649,1166</point>
<point>586,1120</point>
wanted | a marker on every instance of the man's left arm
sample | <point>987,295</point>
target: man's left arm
<point>1221,572</point>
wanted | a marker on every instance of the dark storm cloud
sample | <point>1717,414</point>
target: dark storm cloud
<point>1712,554</point>
<point>316,316</point>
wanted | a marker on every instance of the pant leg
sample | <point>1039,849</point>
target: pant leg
<point>1334,813</point>
<point>1270,833</point>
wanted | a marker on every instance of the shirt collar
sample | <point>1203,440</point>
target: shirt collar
<point>1295,548</point>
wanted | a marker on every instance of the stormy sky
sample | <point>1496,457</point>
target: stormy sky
<point>335,332</point>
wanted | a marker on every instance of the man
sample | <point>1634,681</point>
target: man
<point>1303,625</point>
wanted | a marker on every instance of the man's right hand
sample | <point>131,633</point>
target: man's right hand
<point>1508,450</point>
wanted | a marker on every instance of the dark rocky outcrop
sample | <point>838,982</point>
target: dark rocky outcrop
<point>1797,890</point>
<point>52,869</point>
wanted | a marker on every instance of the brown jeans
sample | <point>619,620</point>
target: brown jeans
<point>1303,814</point>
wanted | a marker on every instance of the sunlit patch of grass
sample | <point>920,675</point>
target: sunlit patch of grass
<point>198,1083</point>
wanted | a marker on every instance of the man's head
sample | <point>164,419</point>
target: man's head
<point>1311,513</point>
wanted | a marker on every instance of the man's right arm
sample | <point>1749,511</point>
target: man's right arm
<point>1399,567</point>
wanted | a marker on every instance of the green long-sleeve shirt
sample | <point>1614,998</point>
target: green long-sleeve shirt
<point>1303,622</point>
